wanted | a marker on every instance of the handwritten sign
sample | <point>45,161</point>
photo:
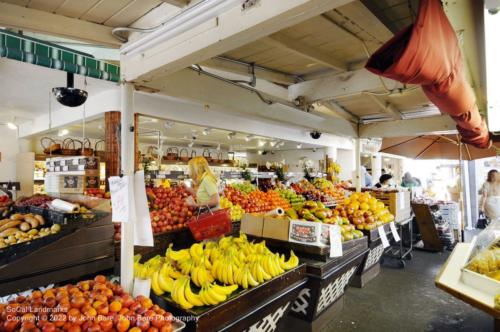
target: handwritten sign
<point>335,241</point>
<point>394,231</point>
<point>383,236</point>
<point>122,198</point>
<point>143,232</point>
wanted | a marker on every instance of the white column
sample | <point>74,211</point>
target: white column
<point>357,156</point>
<point>331,152</point>
<point>127,166</point>
<point>376,163</point>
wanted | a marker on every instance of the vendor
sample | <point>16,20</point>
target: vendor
<point>205,184</point>
<point>384,181</point>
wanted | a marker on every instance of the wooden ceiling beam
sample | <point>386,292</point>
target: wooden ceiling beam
<point>177,3</point>
<point>410,127</point>
<point>387,108</point>
<point>29,19</point>
<point>299,48</point>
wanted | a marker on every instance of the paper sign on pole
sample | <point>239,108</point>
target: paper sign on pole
<point>394,231</point>
<point>143,232</point>
<point>335,241</point>
<point>402,202</point>
<point>383,236</point>
<point>142,287</point>
<point>122,199</point>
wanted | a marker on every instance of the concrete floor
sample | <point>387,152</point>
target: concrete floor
<point>407,300</point>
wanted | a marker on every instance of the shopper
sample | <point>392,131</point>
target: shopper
<point>408,181</point>
<point>205,189</point>
<point>367,177</point>
<point>384,181</point>
<point>490,202</point>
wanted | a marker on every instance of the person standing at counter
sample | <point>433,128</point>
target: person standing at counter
<point>490,201</point>
<point>205,184</point>
<point>384,181</point>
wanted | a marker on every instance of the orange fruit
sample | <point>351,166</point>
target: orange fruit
<point>115,306</point>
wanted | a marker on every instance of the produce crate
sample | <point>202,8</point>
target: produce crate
<point>323,294</point>
<point>399,203</point>
<point>373,234</point>
<point>260,308</point>
<point>85,250</point>
<point>318,253</point>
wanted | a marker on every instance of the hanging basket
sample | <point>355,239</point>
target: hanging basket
<point>172,154</point>
<point>219,159</point>
<point>183,155</point>
<point>86,148</point>
<point>99,153</point>
<point>68,147</point>
<point>193,154</point>
<point>50,146</point>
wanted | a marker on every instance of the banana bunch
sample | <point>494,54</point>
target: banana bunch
<point>200,275</point>
<point>162,281</point>
<point>210,293</point>
<point>146,270</point>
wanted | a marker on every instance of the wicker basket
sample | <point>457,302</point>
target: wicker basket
<point>172,154</point>
<point>50,148</point>
<point>183,155</point>
<point>68,147</point>
<point>99,153</point>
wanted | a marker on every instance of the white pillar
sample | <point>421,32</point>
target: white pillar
<point>376,163</point>
<point>127,166</point>
<point>357,156</point>
<point>331,152</point>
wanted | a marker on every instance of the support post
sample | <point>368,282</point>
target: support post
<point>112,143</point>
<point>357,158</point>
<point>376,163</point>
<point>127,165</point>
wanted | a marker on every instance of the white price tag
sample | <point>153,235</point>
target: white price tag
<point>394,231</point>
<point>122,198</point>
<point>143,232</point>
<point>402,202</point>
<point>335,241</point>
<point>383,236</point>
<point>141,287</point>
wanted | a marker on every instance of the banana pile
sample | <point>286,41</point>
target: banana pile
<point>216,269</point>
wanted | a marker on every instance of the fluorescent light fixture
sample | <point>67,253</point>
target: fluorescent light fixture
<point>261,143</point>
<point>299,146</point>
<point>62,132</point>
<point>11,125</point>
<point>189,18</point>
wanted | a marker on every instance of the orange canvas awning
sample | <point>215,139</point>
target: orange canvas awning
<point>427,53</point>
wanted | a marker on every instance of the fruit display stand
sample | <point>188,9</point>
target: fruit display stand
<point>81,251</point>
<point>322,296</point>
<point>370,266</point>
<point>260,308</point>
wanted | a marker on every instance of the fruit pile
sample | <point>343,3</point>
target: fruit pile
<point>337,193</point>
<point>291,196</point>
<point>348,231</point>
<point>5,206</point>
<point>235,210</point>
<point>364,211</point>
<point>21,228</point>
<point>245,187</point>
<point>35,200</point>
<point>309,191</point>
<point>196,276</point>
<point>96,192</point>
<point>91,305</point>
<point>256,201</point>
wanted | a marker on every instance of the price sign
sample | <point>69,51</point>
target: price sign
<point>143,232</point>
<point>383,236</point>
<point>335,241</point>
<point>122,199</point>
<point>141,287</point>
<point>394,231</point>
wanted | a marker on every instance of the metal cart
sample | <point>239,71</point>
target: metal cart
<point>398,250</point>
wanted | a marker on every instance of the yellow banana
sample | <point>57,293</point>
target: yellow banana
<point>238,276</point>
<point>164,281</point>
<point>215,295</point>
<point>181,296</point>
<point>154,284</point>
<point>175,289</point>
<point>292,262</point>
<point>250,278</point>
<point>276,261</point>
<point>265,275</point>
<point>205,296</point>
<point>177,255</point>
<point>230,278</point>
<point>191,297</point>
<point>225,290</point>
<point>244,278</point>
<point>272,268</point>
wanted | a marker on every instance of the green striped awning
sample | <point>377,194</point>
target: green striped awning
<point>18,47</point>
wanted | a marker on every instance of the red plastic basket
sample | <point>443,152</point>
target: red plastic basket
<point>210,225</point>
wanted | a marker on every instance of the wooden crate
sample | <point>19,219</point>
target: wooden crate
<point>398,203</point>
<point>86,250</point>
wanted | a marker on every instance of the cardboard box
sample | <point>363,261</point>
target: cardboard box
<point>252,224</point>
<point>398,203</point>
<point>276,228</point>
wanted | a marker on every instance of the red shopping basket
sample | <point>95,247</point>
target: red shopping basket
<point>211,224</point>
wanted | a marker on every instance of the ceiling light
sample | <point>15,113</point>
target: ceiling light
<point>154,120</point>
<point>262,143</point>
<point>272,143</point>
<point>299,146</point>
<point>249,138</point>
<point>11,125</point>
<point>206,131</point>
<point>231,135</point>
<point>260,152</point>
<point>62,132</point>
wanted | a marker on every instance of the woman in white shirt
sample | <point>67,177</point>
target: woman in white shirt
<point>490,202</point>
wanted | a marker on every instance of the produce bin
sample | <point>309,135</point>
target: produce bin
<point>260,308</point>
<point>85,250</point>
<point>323,293</point>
